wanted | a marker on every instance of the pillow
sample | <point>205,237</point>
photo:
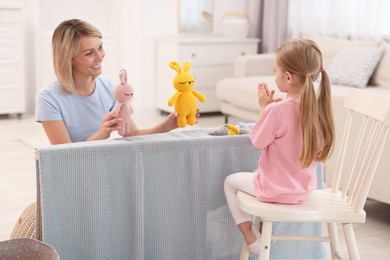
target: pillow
<point>330,46</point>
<point>354,66</point>
<point>381,75</point>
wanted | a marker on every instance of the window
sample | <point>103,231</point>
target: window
<point>354,19</point>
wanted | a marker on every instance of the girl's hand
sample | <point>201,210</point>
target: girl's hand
<point>265,96</point>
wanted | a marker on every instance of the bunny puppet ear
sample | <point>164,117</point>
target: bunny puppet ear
<point>176,66</point>
<point>123,76</point>
<point>186,66</point>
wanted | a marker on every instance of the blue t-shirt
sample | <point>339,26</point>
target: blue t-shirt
<point>82,115</point>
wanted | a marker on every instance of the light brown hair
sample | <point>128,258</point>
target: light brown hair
<point>65,45</point>
<point>303,58</point>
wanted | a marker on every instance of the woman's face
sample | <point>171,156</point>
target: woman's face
<point>88,60</point>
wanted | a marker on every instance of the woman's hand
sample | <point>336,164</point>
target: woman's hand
<point>109,125</point>
<point>169,123</point>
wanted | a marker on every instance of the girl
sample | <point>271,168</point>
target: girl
<point>294,134</point>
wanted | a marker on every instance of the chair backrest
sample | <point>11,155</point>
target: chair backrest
<point>359,156</point>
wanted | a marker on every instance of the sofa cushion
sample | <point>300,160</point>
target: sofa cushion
<point>242,92</point>
<point>330,46</point>
<point>354,66</point>
<point>381,76</point>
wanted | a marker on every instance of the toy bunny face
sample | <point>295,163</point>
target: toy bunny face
<point>183,81</point>
<point>124,91</point>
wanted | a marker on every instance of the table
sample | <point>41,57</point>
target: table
<point>147,197</point>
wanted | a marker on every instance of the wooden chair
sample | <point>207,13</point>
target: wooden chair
<point>342,202</point>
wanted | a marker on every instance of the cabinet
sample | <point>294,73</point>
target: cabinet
<point>211,60</point>
<point>12,72</point>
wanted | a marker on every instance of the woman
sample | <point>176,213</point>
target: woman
<point>77,106</point>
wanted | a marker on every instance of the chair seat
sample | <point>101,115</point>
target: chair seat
<point>322,206</point>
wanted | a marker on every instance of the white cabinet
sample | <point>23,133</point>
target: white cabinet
<point>12,72</point>
<point>211,60</point>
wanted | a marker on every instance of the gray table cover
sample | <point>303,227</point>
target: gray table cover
<point>149,197</point>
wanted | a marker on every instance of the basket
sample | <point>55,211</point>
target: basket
<point>25,226</point>
<point>235,25</point>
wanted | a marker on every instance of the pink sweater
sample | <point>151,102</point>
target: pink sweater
<point>280,177</point>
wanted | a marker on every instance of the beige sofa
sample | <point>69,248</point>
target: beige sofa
<point>238,94</point>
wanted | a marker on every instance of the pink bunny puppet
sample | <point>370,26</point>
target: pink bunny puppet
<point>123,94</point>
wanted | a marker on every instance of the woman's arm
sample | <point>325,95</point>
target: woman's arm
<point>56,131</point>
<point>167,125</point>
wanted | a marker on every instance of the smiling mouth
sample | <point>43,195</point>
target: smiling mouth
<point>128,94</point>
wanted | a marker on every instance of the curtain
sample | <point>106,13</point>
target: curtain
<point>353,19</point>
<point>271,23</point>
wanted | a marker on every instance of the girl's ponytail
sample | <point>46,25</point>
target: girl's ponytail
<point>325,115</point>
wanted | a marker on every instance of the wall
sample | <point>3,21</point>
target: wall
<point>47,14</point>
<point>130,30</point>
<point>143,21</point>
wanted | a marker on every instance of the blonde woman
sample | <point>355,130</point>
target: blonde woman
<point>77,106</point>
<point>294,134</point>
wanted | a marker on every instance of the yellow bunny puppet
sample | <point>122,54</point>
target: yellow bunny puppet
<point>184,98</point>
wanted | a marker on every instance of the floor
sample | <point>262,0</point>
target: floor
<point>19,137</point>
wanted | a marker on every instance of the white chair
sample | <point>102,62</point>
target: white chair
<point>342,202</point>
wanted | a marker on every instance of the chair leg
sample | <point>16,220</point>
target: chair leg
<point>266,240</point>
<point>244,255</point>
<point>334,241</point>
<point>351,241</point>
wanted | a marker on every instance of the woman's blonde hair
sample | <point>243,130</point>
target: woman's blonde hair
<point>65,45</point>
<point>303,58</point>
